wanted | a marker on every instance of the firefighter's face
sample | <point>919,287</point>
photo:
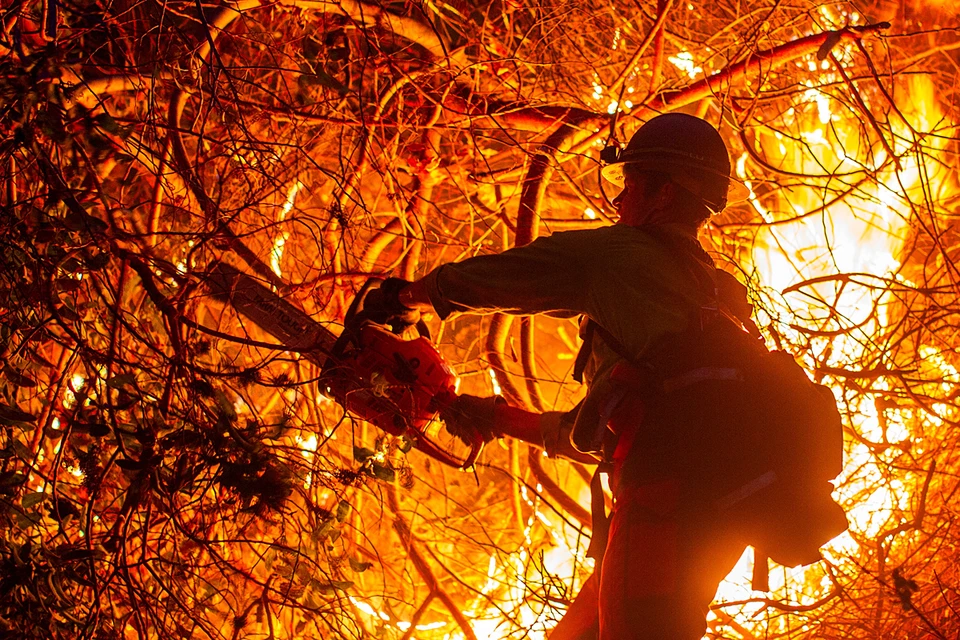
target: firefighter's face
<point>642,202</point>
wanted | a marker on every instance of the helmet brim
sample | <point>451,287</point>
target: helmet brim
<point>737,192</point>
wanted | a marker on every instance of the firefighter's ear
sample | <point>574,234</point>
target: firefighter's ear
<point>666,195</point>
<point>662,198</point>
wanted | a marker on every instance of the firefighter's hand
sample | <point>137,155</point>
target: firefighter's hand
<point>383,306</point>
<point>473,414</point>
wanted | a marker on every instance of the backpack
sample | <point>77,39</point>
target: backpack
<point>759,438</point>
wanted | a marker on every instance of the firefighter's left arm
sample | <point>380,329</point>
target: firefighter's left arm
<point>493,418</point>
<point>416,295</point>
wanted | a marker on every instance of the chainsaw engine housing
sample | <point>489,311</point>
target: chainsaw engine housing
<point>400,386</point>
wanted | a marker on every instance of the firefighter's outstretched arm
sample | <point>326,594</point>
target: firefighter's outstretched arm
<point>545,276</point>
<point>494,418</point>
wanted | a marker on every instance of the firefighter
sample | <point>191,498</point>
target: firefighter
<point>634,285</point>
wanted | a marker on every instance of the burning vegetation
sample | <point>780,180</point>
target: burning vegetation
<point>168,470</point>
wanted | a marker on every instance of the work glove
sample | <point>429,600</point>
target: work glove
<point>382,305</point>
<point>469,414</point>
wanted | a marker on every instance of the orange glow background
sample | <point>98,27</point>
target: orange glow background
<point>316,144</point>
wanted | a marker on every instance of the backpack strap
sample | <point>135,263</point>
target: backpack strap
<point>616,346</point>
<point>580,364</point>
<point>760,579</point>
<point>599,520</point>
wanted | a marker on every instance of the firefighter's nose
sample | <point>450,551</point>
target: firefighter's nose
<point>616,201</point>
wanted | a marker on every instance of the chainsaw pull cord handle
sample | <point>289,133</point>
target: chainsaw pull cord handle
<point>476,446</point>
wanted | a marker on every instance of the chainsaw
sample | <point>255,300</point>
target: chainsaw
<point>400,386</point>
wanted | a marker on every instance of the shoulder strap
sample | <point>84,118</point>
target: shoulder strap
<point>580,364</point>
<point>615,344</point>
<point>593,328</point>
<point>719,285</point>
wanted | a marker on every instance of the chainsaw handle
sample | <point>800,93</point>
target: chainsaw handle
<point>475,441</point>
<point>357,315</point>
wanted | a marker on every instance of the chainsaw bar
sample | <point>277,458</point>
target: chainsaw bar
<point>295,330</point>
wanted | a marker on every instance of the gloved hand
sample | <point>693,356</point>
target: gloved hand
<point>470,414</point>
<point>383,306</point>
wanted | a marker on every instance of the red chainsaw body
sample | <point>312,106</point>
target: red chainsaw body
<point>398,385</point>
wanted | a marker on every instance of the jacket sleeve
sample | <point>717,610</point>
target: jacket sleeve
<point>545,276</point>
